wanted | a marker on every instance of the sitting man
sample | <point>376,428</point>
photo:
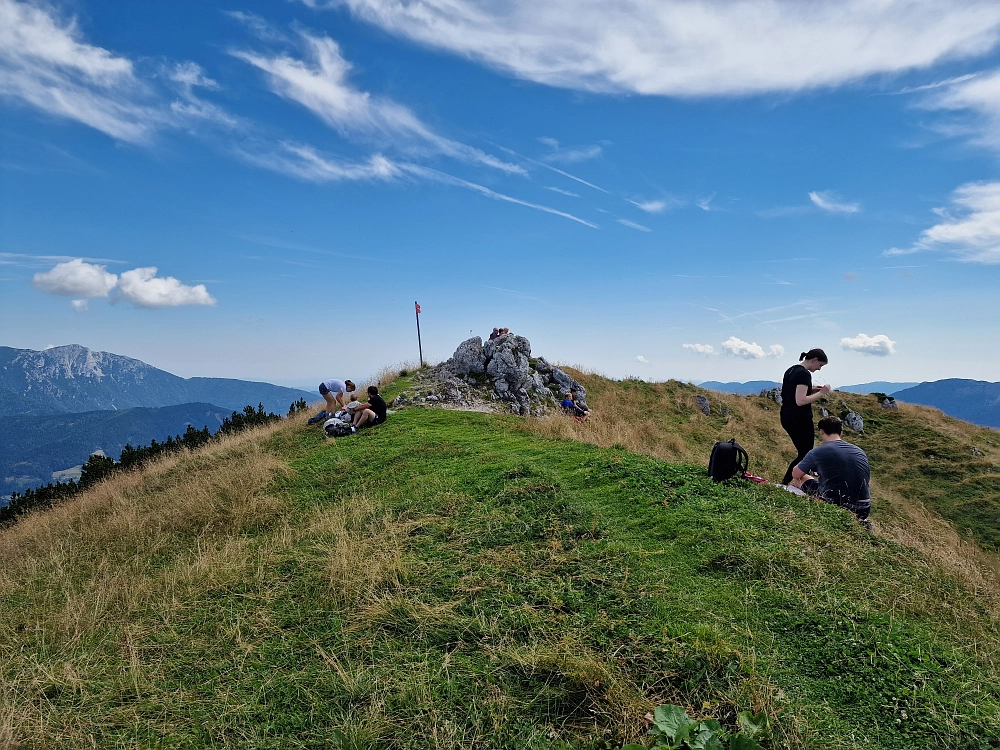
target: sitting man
<point>370,413</point>
<point>842,469</point>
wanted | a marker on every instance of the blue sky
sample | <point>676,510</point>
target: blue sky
<point>696,190</point>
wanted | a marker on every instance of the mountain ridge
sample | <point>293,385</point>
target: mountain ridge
<point>74,378</point>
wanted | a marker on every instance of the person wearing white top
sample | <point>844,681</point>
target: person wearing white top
<point>334,392</point>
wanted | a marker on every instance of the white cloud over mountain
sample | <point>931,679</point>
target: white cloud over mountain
<point>692,47</point>
<point>140,286</point>
<point>970,227</point>
<point>736,347</point>
<point>878,346</point>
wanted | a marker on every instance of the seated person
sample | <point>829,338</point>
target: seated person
<point>571,407</point>
<point>842,469</point>
<point>372,412</point>
<point>353,404</point>
<point>496,332</point>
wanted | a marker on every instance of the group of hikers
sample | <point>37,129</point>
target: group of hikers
<point>835,472</point>
<point>841,467</point>
<point>498,332</point>
<point>341,396</point>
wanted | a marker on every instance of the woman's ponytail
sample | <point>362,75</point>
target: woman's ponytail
<point>814,354</point>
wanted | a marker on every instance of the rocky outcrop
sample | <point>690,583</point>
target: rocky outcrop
<point>498,374</point>
<point>774,394</point>
<point>889,403</point>
<point>852,420</point>
<point>703,405</point>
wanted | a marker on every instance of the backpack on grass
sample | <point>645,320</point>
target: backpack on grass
<point>336,428</point>
<point>728,460</point>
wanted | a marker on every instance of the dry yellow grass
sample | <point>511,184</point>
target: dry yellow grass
<point>90,567</point>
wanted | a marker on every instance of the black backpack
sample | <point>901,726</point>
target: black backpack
<point>728,460</point>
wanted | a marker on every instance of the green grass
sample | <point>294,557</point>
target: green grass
<point>447,580</point>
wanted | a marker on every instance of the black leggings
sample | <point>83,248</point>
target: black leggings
<point>800,430</point>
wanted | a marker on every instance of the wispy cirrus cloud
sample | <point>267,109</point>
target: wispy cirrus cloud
<point>320,83</point>
<point>831,203</point>
<point>657,206</point>
<point>700,348</point>
<point>633,225</point>
<point>977,98</point>
<point>48,65</point>
<point>693,47</point>
<point>569,155</point>
<point>970,226</point>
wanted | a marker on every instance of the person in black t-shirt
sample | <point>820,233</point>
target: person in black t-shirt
<point>373,412</point>
<point>797,396</point>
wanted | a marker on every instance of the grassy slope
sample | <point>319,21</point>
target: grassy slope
<point>451,580</point>
<point>918,455</point>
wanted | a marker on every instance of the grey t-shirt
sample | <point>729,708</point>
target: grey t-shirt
<point>843,471</point>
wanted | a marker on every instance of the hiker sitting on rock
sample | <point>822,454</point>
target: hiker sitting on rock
<point>574,409</point>
<point>842,469</point>
<point>372,412</point>
<point>495,334</point>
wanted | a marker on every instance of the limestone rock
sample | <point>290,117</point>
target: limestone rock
<point>852,420</point>
<point>772,393</point>
<point>468,358</point>
<point>889,403</point>
<point>976,451</point>
<point>703,406</point>
<point>824,412</point>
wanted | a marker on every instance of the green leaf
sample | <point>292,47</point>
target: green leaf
<point>706,739</point>
<point>742,742</point>
<point>751,724</point>
<point>673,722</point>
<point>713,725</point>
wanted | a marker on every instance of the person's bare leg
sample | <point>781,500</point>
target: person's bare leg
<point>366,416</point>
<point>331,403</point>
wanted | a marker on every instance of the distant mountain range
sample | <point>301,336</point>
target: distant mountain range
<point>756,386</point>
<point>33,447</point>
<point>66,379</point>
<point>976,401</point>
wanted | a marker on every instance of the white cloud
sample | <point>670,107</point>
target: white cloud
<point>879,346</point>
<point>656,207</point>
<point>140,286</point>
<point>978,95</point>
<point>320,84</point>
<point>642,359</point>
<point>692,47</point>
<point>970,229</point>
<point>45,63</point>
<point>435,175</point>
<point>570,155</point>
<point>700,348</point>
<point>76,278</point>
<point>705,203</point>
<point>746,350</point>
<point>633,225</point>
<point>304,162</point>
<point>829,202</point>
<point>143,288</point>
<point>563,192</point>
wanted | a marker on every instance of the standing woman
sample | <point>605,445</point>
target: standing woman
<point>797,396</point>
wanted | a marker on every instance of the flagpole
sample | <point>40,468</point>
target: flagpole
<point>420,345</point>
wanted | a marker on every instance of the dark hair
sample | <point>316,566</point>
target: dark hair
<point>814,354</point>
<point>350,383</point>
<point>372,390</point>
<point>831,425</point>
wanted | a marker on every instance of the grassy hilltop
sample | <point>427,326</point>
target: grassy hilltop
<point>465,580</point>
